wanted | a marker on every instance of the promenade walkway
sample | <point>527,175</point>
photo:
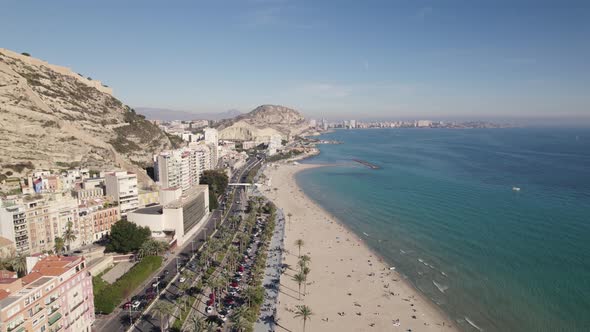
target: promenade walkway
<point>272,277</point>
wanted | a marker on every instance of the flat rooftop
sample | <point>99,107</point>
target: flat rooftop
<point>155,210</point>
<point>187,196</point>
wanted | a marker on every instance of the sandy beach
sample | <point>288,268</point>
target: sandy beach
<point>349,287</point>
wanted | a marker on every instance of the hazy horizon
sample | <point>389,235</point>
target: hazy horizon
<point>329,59</point>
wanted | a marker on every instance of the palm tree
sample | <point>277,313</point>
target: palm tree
<point>299,243</point>
<point>305,270</point>
<point>197,323</point>
<point>69,235</point>
<point>59,245</point>
<point>240,325</point>
<point>238,318</point>
<point>19,264</point>
<point>289,215</point>
<point>162,310</point>
<point>303,312</point>
<point>299,278</point>
<point>183,287</point>
<point>303,260</point>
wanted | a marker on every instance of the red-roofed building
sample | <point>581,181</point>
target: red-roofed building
<point>55,296</point>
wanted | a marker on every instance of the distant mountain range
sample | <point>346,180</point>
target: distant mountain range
<point>163,114</point>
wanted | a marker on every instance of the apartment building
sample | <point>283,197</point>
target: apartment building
<point>122,187</point>
<point>56,295</point>
<point>13,226</point>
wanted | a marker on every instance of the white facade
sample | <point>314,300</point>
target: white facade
<point>274,144</point>
<point>14,227</point>
<point>424,123</point>
<point>122,186</point>
<point>182,168</point>
<point>182,217</point>
<point>211,136</point>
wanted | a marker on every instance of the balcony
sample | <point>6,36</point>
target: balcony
<point>53,319</point>
<point>17,328</point>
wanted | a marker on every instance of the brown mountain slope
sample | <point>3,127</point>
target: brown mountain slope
<point>53,118</point>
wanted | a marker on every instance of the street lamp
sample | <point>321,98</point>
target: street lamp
<point>157,285</point>
<point>176,265</point>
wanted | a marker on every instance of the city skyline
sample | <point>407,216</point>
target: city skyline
<point>334,60</point>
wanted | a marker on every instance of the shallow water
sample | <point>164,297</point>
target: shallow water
<point>442,209</point>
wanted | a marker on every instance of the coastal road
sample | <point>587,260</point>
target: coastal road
<point>119,320</point>
<point>152,323</point>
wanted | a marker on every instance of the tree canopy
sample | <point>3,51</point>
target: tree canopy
<point>126,237</point>
<point>217,181</point>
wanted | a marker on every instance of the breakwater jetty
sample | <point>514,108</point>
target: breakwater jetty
<point>366,163</point>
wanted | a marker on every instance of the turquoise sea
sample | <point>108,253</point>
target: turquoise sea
<point>442,209</point>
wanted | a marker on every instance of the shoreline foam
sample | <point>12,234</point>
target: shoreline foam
<point>347,278</point>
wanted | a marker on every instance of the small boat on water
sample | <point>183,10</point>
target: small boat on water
<point>516,188</point>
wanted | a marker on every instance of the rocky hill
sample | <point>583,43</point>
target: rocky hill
<point>264,121</point>
<point>54,118</point>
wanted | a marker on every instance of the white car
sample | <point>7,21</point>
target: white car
<point>155,284</point>
<point>182,279</point>
<point>135,305</point>
<point>209,309</point>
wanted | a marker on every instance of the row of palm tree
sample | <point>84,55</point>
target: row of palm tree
<point>302,311</point>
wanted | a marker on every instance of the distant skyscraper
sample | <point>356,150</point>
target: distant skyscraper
<point>352,123</point>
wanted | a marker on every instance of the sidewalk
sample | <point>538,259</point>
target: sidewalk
<point>272,277</point>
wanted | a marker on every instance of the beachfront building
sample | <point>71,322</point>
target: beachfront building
<point>274,144</point>
<point>423,123</point>
<point>122,187</point>
<point>179,215</point>
<point>182,168</point>
<point>56,295</point>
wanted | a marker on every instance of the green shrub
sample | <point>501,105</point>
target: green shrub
<point>108,297</point>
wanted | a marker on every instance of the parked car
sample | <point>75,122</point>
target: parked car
<point>209,309</point>
<point>135,305</point>
<point>182,279</point>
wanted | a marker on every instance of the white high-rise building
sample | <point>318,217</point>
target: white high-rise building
<point>183,168</point>
<point>274,144</point>
<point>173,169</point>
<point>211,136</point>
<point>352,123</point>
<point>122,186</point>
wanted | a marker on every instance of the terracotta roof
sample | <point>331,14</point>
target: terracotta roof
<point>55,265</point>
<point>31,277</point>
<point>3,294</point>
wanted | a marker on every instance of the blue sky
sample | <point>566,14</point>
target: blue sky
<point>337,59</point>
